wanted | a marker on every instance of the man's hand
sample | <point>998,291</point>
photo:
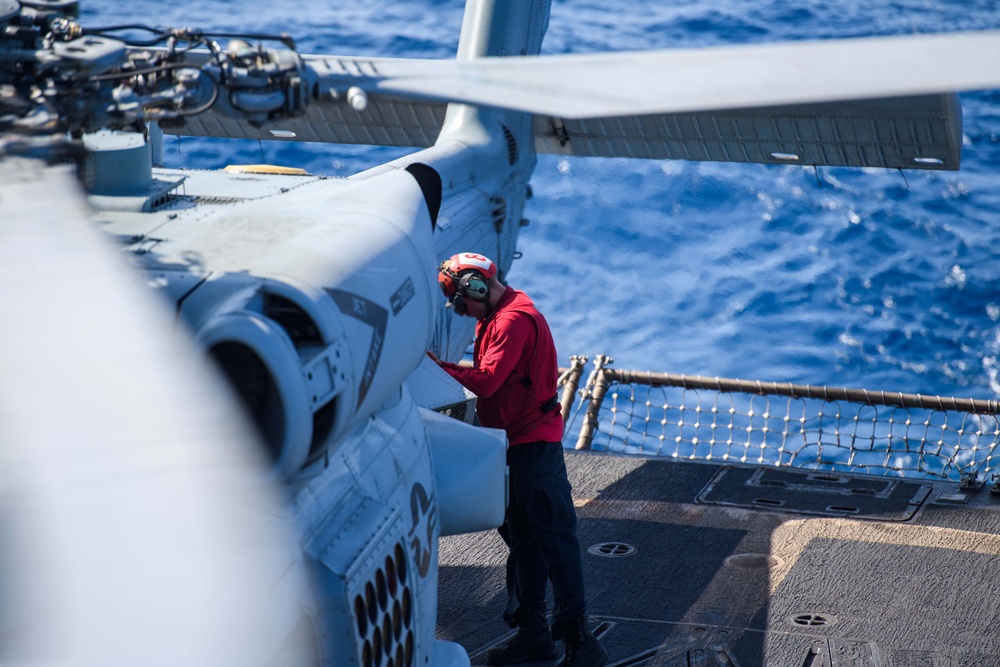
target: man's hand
<point>433,357</point>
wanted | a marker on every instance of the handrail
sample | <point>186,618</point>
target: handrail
<point>892,399</point>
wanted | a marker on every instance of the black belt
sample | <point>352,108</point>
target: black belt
<point>547,406</point>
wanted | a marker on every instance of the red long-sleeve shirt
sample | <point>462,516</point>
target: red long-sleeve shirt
<point>512,344</point>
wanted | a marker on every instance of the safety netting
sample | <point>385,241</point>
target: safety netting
<point>782,424</point>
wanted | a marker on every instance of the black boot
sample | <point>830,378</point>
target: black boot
<point>533,641</point>
<point>582,647</point>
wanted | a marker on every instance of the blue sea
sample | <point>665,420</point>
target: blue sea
<point>843,277</point>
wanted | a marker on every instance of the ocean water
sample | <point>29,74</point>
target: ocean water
<point>844,277</point>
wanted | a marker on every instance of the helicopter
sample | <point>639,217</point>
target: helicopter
<point>316,298</point>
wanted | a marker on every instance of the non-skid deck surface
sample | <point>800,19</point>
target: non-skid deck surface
<point>683,569</point>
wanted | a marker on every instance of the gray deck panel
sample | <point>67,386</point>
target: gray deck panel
<point>886,593</point>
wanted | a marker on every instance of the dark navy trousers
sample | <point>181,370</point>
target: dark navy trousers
<point>541,532</point>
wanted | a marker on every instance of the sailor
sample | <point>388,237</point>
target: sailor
<point>514,375</point>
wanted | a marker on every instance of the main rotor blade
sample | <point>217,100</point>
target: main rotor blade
<point>137,518</point>
<point>680,80</point>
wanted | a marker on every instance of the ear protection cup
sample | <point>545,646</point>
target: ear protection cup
<point>473,286</point>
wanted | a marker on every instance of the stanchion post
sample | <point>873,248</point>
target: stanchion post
<point>576,364</point>
<point>600,386</point>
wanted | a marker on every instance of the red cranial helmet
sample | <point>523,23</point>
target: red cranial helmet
<point>467,275</point>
